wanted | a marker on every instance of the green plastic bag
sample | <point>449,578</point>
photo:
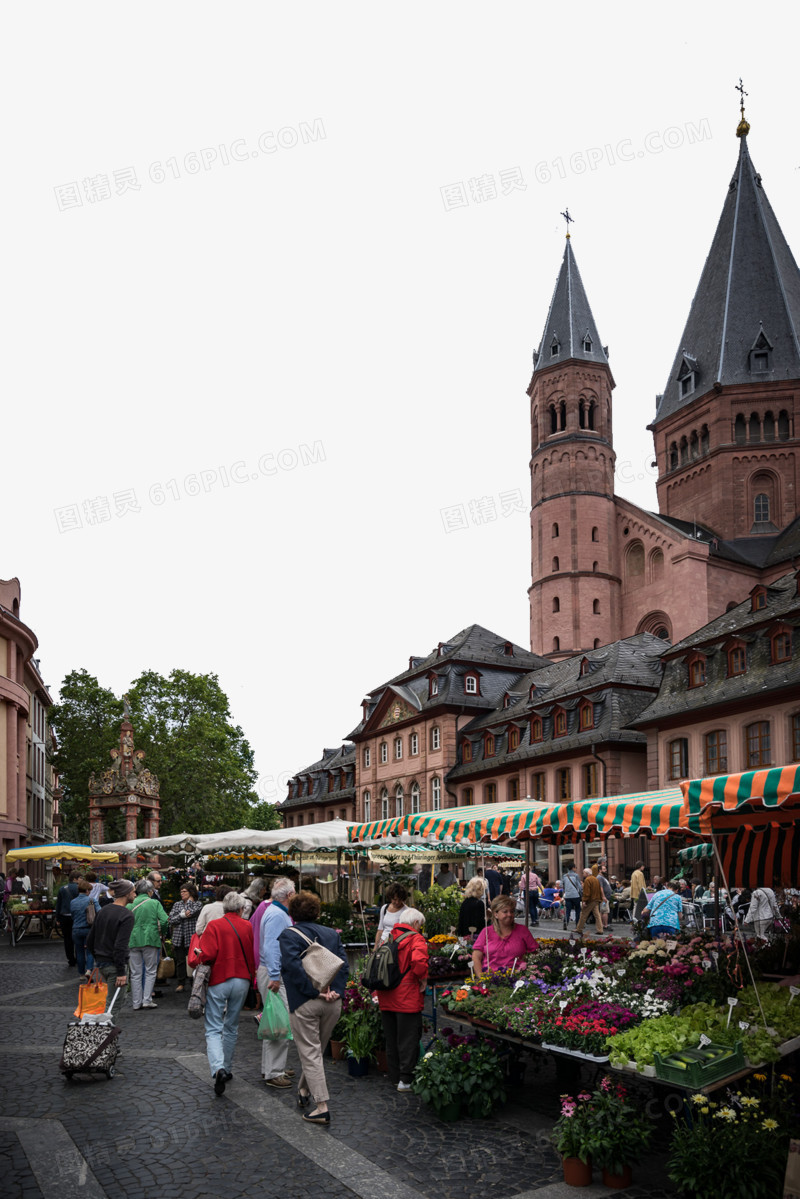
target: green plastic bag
<point>274,1023</point>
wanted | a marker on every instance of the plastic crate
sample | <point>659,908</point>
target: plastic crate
<point>700,1066</point>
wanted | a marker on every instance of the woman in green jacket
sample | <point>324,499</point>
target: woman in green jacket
<point>150,924</point>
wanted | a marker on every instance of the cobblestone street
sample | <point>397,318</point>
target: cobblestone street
<point>157,1128</point>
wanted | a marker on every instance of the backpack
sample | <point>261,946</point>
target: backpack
<point>383,971</point>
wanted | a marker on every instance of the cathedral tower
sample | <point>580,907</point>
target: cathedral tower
<point>726,428</point>
<point>574,594</point>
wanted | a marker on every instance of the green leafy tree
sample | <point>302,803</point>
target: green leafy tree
<point>203,761</point>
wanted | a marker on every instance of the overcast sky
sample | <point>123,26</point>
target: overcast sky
<point>273,275</point>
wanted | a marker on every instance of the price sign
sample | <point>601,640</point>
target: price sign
<point>704,1040</point>
<point>671,945</point>
<point>793,992</point>
<point>519,983</point>
<point>732,1002</point>
<point>715,956</point>
<point>649,993</point>
<point>620,973</point>
<point>744,1025</point>
<point>584,951</point>
<point>706,963</point>
<point>562,1004</point>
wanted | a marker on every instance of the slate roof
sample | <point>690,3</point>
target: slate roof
<point>569,321</point>
<point>761,678</point>
<point>758,552</point>
<point>750,283</point>
<point>341,758</point>
<point>472,648</point>
<point>620,681</point>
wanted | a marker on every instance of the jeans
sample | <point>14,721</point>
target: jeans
<point>84,958</point>
<point>65,923</point>
<point>533,903</point>
<point>223,1004</point>
<point>572,907</point>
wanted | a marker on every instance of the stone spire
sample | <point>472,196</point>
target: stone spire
<point>570,331</point>
<point>744,323</point>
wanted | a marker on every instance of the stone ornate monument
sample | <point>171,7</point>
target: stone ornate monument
<point>128,786</point>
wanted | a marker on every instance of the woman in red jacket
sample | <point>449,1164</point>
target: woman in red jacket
<point>227,944</point>
<point>401,1008</point>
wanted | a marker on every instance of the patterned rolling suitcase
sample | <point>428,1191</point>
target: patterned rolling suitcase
<point>91,1044</point>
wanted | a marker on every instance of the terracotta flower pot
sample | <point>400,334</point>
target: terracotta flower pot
<point>577,1173</point>
<point>337,1050</point>
<point>619,1181</point>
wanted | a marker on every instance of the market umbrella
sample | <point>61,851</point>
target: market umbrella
<point>469,824</point>
<point>59,849</point>
<point>695,853</point>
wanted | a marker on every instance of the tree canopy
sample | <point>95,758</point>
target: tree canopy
<point>203,761</point>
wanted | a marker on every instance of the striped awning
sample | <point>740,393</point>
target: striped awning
<point>694,853</point>
<point>644,813</point>
<point>755,800</point>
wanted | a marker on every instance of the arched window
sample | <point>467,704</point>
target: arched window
<point>414,798</point>
<point>367,808</point>
<point>704,440</point>
<point>781,647</point>
<point>592,414</point>
<point>436,737</point>
<point>679,758</point>
<point>783,425</point>
<point>553,419</point>
<point>740,429</point>
<point>384,753</point>
<point>466,751</point>
<point>398,748</point>
<point>556,645</point>
<point>596,643</point>
<point>769,426</point>
<point>761,508</point>
<point>367,756</point>
<point>697,672</point>
<point>595,533</point>
<point>556,604</point>
<point>594,568</point>
<point>488,746</point>
<point>673,456</point>
<point>555,565</point>
<point>754,428</point>
<point>436,795</point>
<point>596,607</point>
<point>758,744</point>
<point>656,564</point>
<point>513,739</point>
<point>384,804</point>
<point>716,751</point>
<point>694,445</point>
<point>634,564</point>
<point>398,800</point>
<point>582,413</point>
<point>413,744</point>
<point>562,415</point>
<point>537,729</point>
<point>471,684</point>
<point>554,532</point>
<point>587,716</point>
<point>737,660</point>
<point>560,723</point>
<point>684,451</point>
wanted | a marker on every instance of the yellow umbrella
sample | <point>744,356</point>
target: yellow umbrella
<point>63,849</point>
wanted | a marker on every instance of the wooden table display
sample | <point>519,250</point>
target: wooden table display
<point>19,924</point>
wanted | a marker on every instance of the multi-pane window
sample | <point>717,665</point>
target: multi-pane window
<point>537,731</point>
<point>433,688</point>
<point>563,784</point>
<point>488,746</point>
<point>398,800</point>
<point>737,660</point>
<point>782,647</point>
<point>587,716</point>
<point>679,758</point>
<point>471,684</point>
<point>384,752</point>
<point>413,744</point>
<point>796,737</point>
<point>436,737</point>
<point>513,790</point>
<point>590,788</point>
<point>560,723</point>
<point>759,745</point>
<point>466,751</point>
<point>367,805</point>
<point>697,673</point>
<point>414,798</point>
<point>466,797</point>
<point>490,793</point>
<point>716,752</point>
<point>436,795</point>
<point>398,747</point>
<point>384,804</point>
<point>513,739</point>
<point>367,756</point>
<point>537,787</point>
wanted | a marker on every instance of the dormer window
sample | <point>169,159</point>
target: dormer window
<point>737,659</point>
<point>758,596</point>
<point>537,729</point>
<point>780,645</point>
<point>560,723</point>
<point>697,671</point>
<point>508,649</point>
<point>466,751</point>
<point>687,376</point>
<point>488,746</point>
<point>471,684</point>
<point>760,355</point>
<point>585,667</point>
<point>433,685</point>
<point>587,344</point>
<point>587,716</point>
<point>532,688</point>
<point>513,738</point>
<point>555,346</point>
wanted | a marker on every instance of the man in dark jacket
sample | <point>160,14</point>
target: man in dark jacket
<point>66,894</point>
<point>592,898</point>
<point>110,933</point>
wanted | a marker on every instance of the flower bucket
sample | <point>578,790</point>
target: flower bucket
<point>618,1181</point>
<point>577,1173</point>
<point>358,1067</point>
<point>381,1062</point>
<point>337,1051</point>
<point>449,1111</point>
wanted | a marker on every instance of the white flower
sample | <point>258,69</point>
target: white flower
<point>427,1055</point>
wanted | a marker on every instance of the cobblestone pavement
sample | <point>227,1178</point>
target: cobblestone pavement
<point>157,1126</point>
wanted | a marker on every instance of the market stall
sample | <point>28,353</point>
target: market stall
<point>34,915</point>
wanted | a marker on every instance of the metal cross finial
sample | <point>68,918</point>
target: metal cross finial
<point>742,93</point>
<point>569,220</point>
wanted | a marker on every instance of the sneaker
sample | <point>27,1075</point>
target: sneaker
<point>404,1086</point>
<point>149,1004</point>
<point>280,1081</point>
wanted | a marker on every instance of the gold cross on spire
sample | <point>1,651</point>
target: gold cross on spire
<point>742,128</point>
<point>570,220</point>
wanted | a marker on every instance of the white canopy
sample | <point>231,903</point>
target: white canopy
<point>330,834</point>
<point>177,843</point>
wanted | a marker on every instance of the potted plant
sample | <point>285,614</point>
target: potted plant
<point>360,1027</point>
<point>619,1133</point>
<point>572,1133</point>
<point>461,1073</point>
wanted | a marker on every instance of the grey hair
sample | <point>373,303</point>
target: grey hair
<point>412,916</point>
<point>233,902</point>
<point>256,888</point>
<point>144,887</point>
<point>281,888</point>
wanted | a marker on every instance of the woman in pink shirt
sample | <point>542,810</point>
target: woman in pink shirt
<point>504,940</point>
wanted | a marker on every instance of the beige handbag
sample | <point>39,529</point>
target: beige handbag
<point>320,964</point>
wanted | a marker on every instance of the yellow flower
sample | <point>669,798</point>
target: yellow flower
<point>698,1098</point>
<point>725,1113</point>
<point>784,1077</point>
<point>769,1124</point>
<point>749,1101</point>
<point>704,1111</point>
<point>763,1077</point>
